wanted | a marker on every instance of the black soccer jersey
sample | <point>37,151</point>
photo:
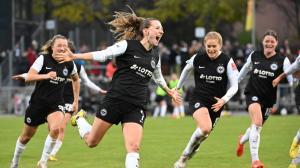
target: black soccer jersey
<point>134,70</point>
<point>264,71</point>
<point>51,90</point>
<point>68,89</point>
<point>210,77</point>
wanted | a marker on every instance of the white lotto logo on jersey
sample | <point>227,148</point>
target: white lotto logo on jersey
<point>220,69</point>
<point>210,77</point>
<point>262,73</point>
<point>274,66</point>
<point>141,71</point>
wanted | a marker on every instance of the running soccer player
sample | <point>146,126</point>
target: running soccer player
<point>137,62</point>
<point>213,70</point>
<point>265,66</point>
<point>47,102</point>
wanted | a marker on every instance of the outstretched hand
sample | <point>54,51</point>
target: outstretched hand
<point>64,57</point>
<point>217,106</point>
<point>18,77</point>
<point>275,82</point>
<point>176,96</point>
<point>101,91</point>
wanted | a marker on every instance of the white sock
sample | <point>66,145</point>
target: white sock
<point>163,110</point>
<point>156,111</point>
<point>245,137</point>
<point>176,112</point>
<point>83,126</point>
<point>56,147</point>
<point>181,109</point>
<point>17,154</point>
<point>48,147</point>
<point>254,140</point>
<point>193,145</point>
<point>132,160</point>
<point>298,136</point>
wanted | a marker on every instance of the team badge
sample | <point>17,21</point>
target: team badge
<point>65,71</point>
<point>103,112</point>
<point>197,105</point>
<point>28,119</point>
<point>274,66</point>
<point>153,64</point>
<point>254,98</point>
<point>220,69</point>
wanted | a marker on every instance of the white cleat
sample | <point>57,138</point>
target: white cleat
<point>42,164</point>
<point>179,164</point>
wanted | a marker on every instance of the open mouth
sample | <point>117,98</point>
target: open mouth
<point>158,38</point>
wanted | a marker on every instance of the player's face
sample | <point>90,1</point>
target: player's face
<point>59,46</point>
<point>269,44</point>
<point>154,33</point>
<point>212,47</point>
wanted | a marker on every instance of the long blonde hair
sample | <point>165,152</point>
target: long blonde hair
<point>128,26</point>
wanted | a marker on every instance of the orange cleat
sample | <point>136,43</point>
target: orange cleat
<point>240,147</point>
<point>257,164</point>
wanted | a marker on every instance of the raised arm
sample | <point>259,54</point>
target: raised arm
<point>87,82</point>
<point>33,73</point>
<point>246,68</point>
<point>186,72</point>
<point>110,52</point>
<point>288,69</point>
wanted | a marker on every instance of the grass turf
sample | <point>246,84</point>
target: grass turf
<point>163,141</point>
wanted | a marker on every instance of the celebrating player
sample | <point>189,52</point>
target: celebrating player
<point>47,102</point>
<point>213,70</point>
<point>265,66</point>
<point>137,62</point>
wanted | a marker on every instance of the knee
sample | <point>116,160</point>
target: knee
<point>24,139</point>
<point>54,131</point>
<point>206,130</point>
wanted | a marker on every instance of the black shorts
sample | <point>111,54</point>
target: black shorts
<point>265,108</point>
<point>158,98</point>
<point>36,114</point>
<point>214,116</point>
<point>115,111</point>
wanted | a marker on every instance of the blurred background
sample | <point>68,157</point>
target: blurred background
<point>26,24</point>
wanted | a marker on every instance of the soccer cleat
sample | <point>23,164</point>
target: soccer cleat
<point>42,164</point>
<point>294,148</point>
<point>292,166</point>
<point>74,118</point>
<point>52,158</point>
<point>14,165</point>
<point>179,164</point>
<point>240,147</point>
<point>257,164</point>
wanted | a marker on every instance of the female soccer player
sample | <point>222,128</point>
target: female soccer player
<point>68,101</point>
<point>47,102</point>
<point>137,62</point>
<point>213,70</point>
<point>265,66</point>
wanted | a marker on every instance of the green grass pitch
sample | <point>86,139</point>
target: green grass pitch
<point>163,141</point>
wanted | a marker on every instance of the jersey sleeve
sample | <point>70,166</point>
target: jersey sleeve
<point>115,50</point>
<point>287,68</point>
<point>232,74</point>
<point>246,68</point>
<point>87,82</point>
<point>74,71</point>
<point>38,63</point>
<point>186,71</point>
<point>157,75</point>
